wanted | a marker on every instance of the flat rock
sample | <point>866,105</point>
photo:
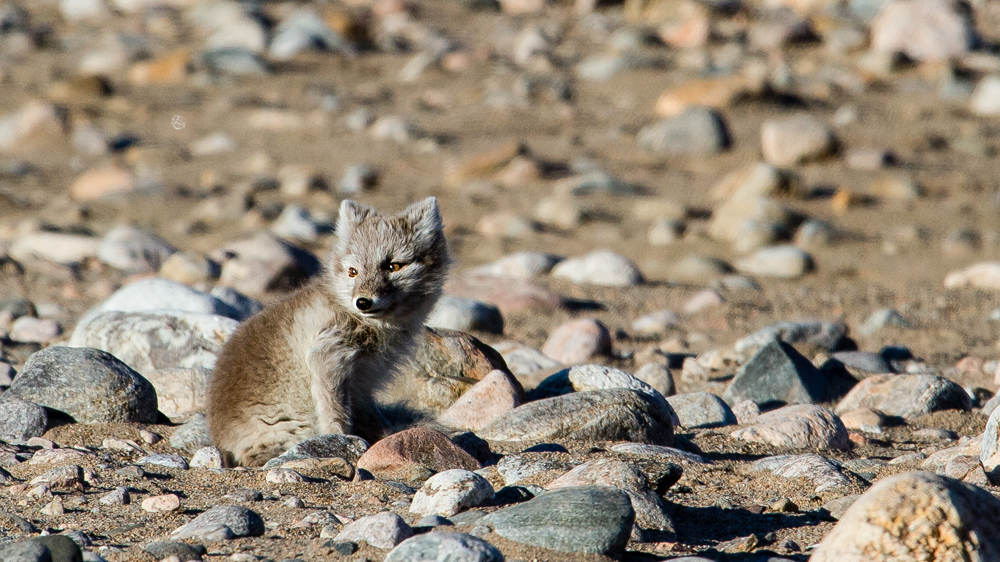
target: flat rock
<point>777,373</point>
<point>600,415</point>
<point>151,341</point>
<point>523,360</point>
<point>384,530</point>
<point>193,435</point>
<point>180,392</point>
<point>28,329</point>
<point>578,340</point>
<point>522,265</point>
<point>601,267</point>
<point>787,141</point>
<point>331,445</point>
<point>785,262</point>
<point>649,510</point>
<point>134,250</point>
<point>154,294</point>
<point>527,465</point>
<point>916,516</point>
<point>21,420</point>
<point>985,275</point>
<point>168,460</point>
<point>666,454</point>
<point>906,395</point>
<point>487,400</point>
<point>56,247</point>
<point>826,335</point>
<point>701,409</point>
<point>465,315</point>
<point>240,521</point>
<point>450,492</point>
<point>418,446</point>
<point>697,131</point>
<point>584,519</point>
<point>90,385</point>
<point>444,546</point>
<point>510,294</point>
<point>802,426</point>
<point>584,378</point>
<point>656,322</point>
<point>824,473</point>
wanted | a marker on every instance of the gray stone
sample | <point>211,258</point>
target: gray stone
<point>601,267</point>
<point>118,496</point>
<point>235,61</point>
<point>25,551</point>
<point>990,453</point>
<point>384,530</point>
<point>698,131</point>
<point>240,522</point>
<point>164,459</point>
<point>986,97</point>
<point>785,262</point>
<point>791,140</point>
<point>28,329</point>
<point>601,415</point>
<point>465,315</point>
<point>923,30</point>
<point>656,322</point>
<point>263,262</point>
<point>523,466</point>
<point>649,510</point>
<point>357,179</point>
<point>304,29</point>
<point>61,547</point>
<point>777,373</point>
<point>594,182</point>
<point>584,519</point>
<point>347,447</point>
<point>881,319</point>
<point>296,223</point>
<point>151,341</point>
<point>444,546</point>
<point>664,454</point>
<point>20,420</point>
<point>450,492</point>
<point>523,360</point>
<point>824,473</point>
<point>827,335</point>
<point>523,265</point>
<point>906,395</point>
<point>155,294</point>
<point>866,361</point>
<point>244,306</point>
<point>193,435</point>
<point>90,385</point>
<point>186,552</point>
<point>134,250</point>
<point>803,426</point>
<point>701,409</point>
<point>181,392</point>
<point>657,376</point>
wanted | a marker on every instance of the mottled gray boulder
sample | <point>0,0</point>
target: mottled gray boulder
<point>25,551</point>
<point>347,447</point>
<point>444,546</point>
<point>824,473</point>
<point>777,373</point>
<point>803,426</point>
<point>184,551</point>
<point>826,335</point>
<point>151,341</point>
<point>384,530</point>
<point>90,385</point>
<point>193,435</point>
<point>701,409</point>
<point>450,492</point>
<point>244,306</point>
<point>698,131</point>
<point>20,420</point>
<point>657,376</point>
<point>600,415</point>
<point>156,294</point>
<point>660,453</point>
<point>240,521</point>
<point>906,395</point>
<point>916,516</point>
<point>584,519</point>
<point>134,250</point>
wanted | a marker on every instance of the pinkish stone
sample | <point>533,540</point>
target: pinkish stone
<point>577,341</point>
<point>490,398</point>
<point>409,449</point>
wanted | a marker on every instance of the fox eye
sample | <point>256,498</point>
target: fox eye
<point>351,272</point>
<point>395,266</point>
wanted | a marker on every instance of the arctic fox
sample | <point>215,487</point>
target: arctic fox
<point>311,364</point>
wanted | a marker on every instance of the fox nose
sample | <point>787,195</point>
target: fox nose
<point>363,304</point>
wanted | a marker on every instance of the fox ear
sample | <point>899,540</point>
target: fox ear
<point>425,217</point>
<point>351,214</point>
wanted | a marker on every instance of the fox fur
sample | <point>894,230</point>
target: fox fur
<point>311,364</point>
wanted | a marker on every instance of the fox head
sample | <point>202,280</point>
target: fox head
<point>389,268</point>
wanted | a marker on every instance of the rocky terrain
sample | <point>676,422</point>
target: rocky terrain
<point>724,288</point>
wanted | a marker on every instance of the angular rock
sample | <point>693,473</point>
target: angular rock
<point>151,341</point>
<point>419,446</point>
<point>916,516</point>
<point>802,426</point>
<point>465,315</point>
<point>787,141</point>
<point>600,415</point>
<point>487,400</point>
<point>133,250</point>
<point>440,546</point>
<point>332,445</point>
<point>585,520</point>
<point>90,385</point>
<point>450,492</point>
<point>385,530</point>
<point>240,521</point>
<point>906,395</point>
<point>578,340</point>
<point>824,473</point>
<point>777,373</point>
<point>21,420</point>
<point>155,294</point>
<point>601,267</point>
<point>701,409</point>
<point>881,319</point>
<point>649,510</point>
